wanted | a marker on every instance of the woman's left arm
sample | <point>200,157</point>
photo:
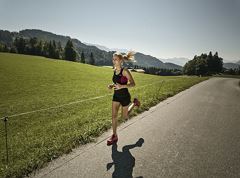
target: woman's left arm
<point>128,74</point>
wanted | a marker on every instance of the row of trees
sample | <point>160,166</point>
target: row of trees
<point>50,49</point>
<point>204,65</point>
<point>33,46</point>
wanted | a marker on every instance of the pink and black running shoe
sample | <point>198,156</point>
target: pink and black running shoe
<point>112,139</point>
<point>136,102</point>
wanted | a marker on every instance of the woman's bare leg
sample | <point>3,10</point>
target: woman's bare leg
<point>130,107</point>
<point>115,107</point>
<point>126,111</point>
<point>125,115</point>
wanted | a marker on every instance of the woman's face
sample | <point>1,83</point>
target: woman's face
<point>116,60</point>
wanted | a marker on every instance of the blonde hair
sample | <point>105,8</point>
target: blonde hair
<point>129,56</point>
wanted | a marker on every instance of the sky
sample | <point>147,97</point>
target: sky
<point>161,28</point>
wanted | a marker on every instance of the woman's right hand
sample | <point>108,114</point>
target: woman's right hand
<point>110,86</point>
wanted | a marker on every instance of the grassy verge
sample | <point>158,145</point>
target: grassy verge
<point>30,83</point>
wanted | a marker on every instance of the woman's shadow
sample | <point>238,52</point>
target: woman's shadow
<point>123,161</point>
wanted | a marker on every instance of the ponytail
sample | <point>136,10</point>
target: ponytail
<point>129,56</point>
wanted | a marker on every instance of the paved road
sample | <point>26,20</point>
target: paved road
<point>195,133</point>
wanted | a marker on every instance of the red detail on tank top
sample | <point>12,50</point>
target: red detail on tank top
<point>120,78</point>
<point>124,79</point>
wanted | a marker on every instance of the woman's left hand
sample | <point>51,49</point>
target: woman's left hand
<point>117,86</point>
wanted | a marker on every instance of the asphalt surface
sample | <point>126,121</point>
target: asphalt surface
<point>195,133</point>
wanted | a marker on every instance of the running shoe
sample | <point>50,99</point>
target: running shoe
<point>136,102</point>
<point>112,139</point>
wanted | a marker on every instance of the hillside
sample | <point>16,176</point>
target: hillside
<point>181,61</point>
<point>170,65</point>
<point>102,57</point>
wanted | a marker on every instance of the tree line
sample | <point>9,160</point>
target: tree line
<point>204,65</point>
<point>50,49</point>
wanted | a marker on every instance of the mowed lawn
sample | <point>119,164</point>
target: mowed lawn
<point>29,83</point>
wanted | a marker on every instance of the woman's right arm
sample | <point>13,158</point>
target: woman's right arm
<point>110,86</point>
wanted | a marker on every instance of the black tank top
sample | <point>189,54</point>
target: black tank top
<point>119,78</point>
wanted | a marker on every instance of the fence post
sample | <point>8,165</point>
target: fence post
<point>6,136</point>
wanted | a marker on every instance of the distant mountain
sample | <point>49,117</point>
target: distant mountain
<point>170,65</point>
<point>238,62</point>
<point>230,65</point>
<point>120,50</point>
<point>102,56</point>
<point>106,48</point>
<point>150,61</point>
<point>144,60</point>
<point>98,46</point>
<point>181,61</point>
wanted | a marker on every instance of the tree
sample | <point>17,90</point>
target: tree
<point>82,58</point>
<point>51,50</point>
<point>20,44</point>
<point>210,54</point>
<point>59,49</point>
<point>204,65</point>
<point>39,48</point>
<point>45,49</point>
<point>69,52</point>
<point>189,67</point>
<point>217,64</point>
<point>55,52</point>
<point>13,49</point>
<point>201,67</point>
<point>92,60</point>
<point>32,46</point>
<point>5,48</point>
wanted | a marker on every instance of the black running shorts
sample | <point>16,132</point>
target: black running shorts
<point>124,100</point>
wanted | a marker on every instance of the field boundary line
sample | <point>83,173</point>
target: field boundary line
<point>71,103</point>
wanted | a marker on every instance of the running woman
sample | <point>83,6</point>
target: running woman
<point>122,80</point>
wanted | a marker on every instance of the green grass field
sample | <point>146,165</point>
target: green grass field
<point>30,83</point>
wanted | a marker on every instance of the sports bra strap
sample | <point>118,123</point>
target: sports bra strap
<point>119,72</point>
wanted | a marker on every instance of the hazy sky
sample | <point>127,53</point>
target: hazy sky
<point>162,28</point>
